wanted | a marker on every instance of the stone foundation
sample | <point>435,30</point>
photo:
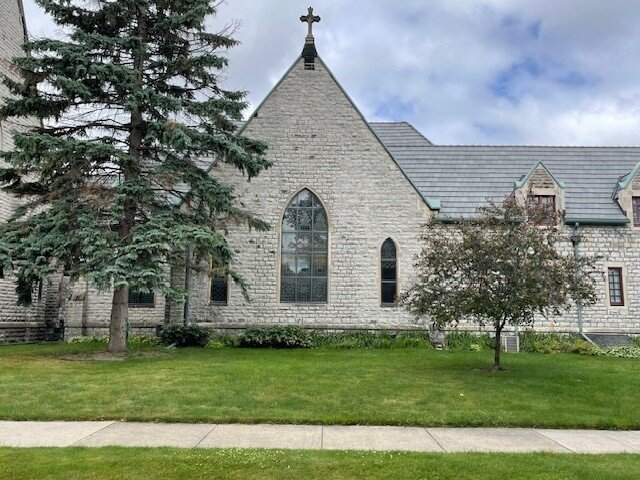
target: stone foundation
<point>23,332</point>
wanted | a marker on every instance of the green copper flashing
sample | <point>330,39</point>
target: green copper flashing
<point>433,203</point>
<point>622,184</point>
<point>521,183</point>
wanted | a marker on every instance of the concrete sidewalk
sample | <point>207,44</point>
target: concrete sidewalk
<point>316,437</point>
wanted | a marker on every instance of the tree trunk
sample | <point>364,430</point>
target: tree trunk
<point>119,320</point>
<point>498,347</point>
<point>120,302</point>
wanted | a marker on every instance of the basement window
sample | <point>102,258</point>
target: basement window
<point>139,299</point>
<point>219,290</point>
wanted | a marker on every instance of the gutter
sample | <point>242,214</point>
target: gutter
<point>609,222</point>
<point>604,222</point>
<point>575,240</point>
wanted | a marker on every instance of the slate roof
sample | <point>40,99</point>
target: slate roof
<point>399,135</point>
<point>464,177</point>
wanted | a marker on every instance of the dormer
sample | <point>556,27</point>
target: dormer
<point>627,194</point>
<point>545,189</point>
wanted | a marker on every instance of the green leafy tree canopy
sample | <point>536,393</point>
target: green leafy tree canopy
<point>502,267</point>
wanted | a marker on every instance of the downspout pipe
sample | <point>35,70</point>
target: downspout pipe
<point>575,240</point>
<point>187,282</point>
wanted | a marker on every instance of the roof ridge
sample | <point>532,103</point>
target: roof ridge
<point>390,122</point>
<point>408,124</point>
<point>419,133</point>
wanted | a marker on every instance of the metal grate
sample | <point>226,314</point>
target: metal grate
<point>510,343</point>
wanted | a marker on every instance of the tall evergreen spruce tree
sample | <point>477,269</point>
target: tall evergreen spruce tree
<point>113,184</point>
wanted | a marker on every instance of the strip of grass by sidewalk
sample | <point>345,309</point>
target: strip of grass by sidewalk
<point>375,387</point>
<point>158,464</point>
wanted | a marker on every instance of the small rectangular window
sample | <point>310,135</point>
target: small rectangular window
<point>219,290</point>
<point>616,287</point>
<point>139,299</point>
<point>548,203</point>
<point>636,211</point>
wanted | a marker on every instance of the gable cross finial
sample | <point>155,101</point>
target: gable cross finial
<point>310,18</point>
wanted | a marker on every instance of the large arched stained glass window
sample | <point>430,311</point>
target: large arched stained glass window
<point>304,262</point>
<point>388,273</point>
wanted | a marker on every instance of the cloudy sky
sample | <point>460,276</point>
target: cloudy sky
<point>461,71</point>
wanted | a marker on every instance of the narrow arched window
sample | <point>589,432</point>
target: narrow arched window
<point>304,256</point>
<point>388,273</point>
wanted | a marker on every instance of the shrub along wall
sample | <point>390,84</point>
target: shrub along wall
<point>293,336</point>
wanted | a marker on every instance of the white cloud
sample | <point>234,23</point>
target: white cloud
<point>479,71</point>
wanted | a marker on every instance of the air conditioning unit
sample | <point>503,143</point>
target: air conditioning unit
<point>510,343</point>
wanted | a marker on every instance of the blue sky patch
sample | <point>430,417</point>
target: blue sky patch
<point>394,109</point>
<point>534,29</point>
<point>576,79</point>
<point>511,83</point>
<point>508,81</point>
<point>517,26</point>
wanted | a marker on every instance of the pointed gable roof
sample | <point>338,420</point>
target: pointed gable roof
<point>523,181</point>
<point>432,203</point>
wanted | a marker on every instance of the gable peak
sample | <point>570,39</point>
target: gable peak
<point>309,52</point>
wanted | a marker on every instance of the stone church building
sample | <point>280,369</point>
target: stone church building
<point>19,323</point>
<point>347,200</point>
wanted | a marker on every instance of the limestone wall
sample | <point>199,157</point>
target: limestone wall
<point>319,141</point>
<point>87,311</point>
<point>617,246</point>
<point>614,247</point>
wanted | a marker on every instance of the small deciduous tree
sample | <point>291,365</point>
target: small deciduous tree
<point>114,181</point>
<point>500,268</point>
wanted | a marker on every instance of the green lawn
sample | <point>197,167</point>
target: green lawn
<point>329,386</point>
<point>158,464</point>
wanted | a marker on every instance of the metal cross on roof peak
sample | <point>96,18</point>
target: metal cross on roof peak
<point>310,18</point>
